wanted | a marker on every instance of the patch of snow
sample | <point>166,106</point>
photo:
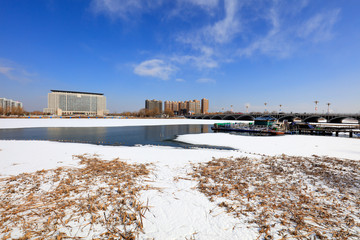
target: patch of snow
<point>297,145</point>
<point>177,211</point>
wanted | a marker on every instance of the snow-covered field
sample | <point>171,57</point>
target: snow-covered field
<point>178,211</point>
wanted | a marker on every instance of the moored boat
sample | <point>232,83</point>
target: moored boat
<point>246,128</point>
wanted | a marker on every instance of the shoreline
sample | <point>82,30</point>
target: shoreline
<point>177,209</point>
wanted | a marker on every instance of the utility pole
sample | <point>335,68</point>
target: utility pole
<point>316,103</point>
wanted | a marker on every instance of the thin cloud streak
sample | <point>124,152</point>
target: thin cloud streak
<point>283,38</point>
<point>123,9</point>
<point>206,80</point>
<point>14,72</point>
<point>319,27</point>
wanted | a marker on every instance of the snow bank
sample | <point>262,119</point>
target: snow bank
<point>177,210</point>
<point>92,122</point>
<point>297,145</point>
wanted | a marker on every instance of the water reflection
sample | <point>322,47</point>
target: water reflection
<point>128,136</point>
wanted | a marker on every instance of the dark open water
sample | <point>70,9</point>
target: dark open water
<point>126,136</point>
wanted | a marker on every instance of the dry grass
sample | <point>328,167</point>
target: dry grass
<point>287,197</point>
<point>97,201</point>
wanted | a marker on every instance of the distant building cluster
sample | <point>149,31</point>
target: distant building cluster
<point>76,103</point>
<point>179,107</point>
<point>154,105</point>
<point>9,105</point>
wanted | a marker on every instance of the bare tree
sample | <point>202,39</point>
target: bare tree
<point>169,112</point>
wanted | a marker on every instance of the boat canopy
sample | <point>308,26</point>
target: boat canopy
<point>265,118</point>
<point>264,121</point>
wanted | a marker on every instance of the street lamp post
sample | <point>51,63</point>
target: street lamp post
<point>328,107</point>
<point>265,107</point>
<point>316,103</point>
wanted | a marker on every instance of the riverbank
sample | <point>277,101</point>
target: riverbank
<point>177,208</point>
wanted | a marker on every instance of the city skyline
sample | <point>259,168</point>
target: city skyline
<point>186,107</point>
<point>240,54</point>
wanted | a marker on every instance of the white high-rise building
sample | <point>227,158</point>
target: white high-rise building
<point>70,103</point>
<point>8,104</point>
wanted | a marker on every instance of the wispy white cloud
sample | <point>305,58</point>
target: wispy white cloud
<point>207,4</point>
<point>14,72</point>
<point>185,7</point>
<point>206,80</point>
<point>201,61</point>
<point>155,68</point>
<point>180,80</point>
<point>6,70</point>
<point>123,8</point>
<point>285,36</point>
<point>207,43</point>
<point>319,27</point>
<point>274,43</point>
<point>224,30</point>
<point>233,29</point>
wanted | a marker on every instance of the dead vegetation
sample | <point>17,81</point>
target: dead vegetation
<point>97,201</point>
<point>287,197</point>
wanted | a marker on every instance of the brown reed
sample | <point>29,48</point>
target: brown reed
<point>287,197</point>
<point>98,201</point>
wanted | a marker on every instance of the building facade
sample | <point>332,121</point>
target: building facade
<point>190,107</point>
<point>204,106</point>
<point>74,103</point>
<point>187,107</point>
<point>9,104</point>
<point>154,105</point>
<point>197,107</point>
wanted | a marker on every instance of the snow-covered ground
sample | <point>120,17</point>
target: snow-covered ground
<point>178,211</point>
<point>296,145</point>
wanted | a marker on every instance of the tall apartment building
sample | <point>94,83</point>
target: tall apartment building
<point>183,107</point>
<point>9,104</point>
<point>168,106</point>
<point>183,110</point>
<point>70,103</point>
<point>173,106</point>
<point>153,105</point>
<point>197,107</point>
<point>190,107</point>
<point>204,106</point>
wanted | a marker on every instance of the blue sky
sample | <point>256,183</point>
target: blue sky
<point>232,52</point>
